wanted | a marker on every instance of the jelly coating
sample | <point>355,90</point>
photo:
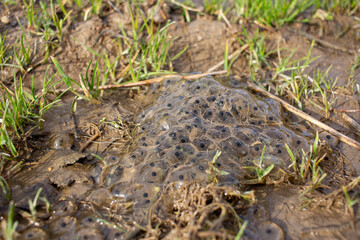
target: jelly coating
<point>180,133</point>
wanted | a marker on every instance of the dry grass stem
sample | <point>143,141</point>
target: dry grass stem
<point>352,122</point>
<point>323,42</point>
<point>305,116</point>
<point>234,54</point>
<point>90,141</point>
<point>154,80</point>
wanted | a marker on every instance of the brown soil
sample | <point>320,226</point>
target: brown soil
<point>153,181</point>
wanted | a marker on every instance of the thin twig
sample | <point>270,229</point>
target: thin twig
<point>350,186</point>
<point>323,42</point>
<point>296,77</point>
<point>76,134</point>
<point>264,26</point>
<point>57,8</point>
<point>186,7</point>
<point>86,91</point>
<point>307,167</point>
<point>90,141</point>
<point>356,26</point>
<point>115,8</point>
<point>222,15</point>
<point>352,122</point>
<point>240,50</point>
<point>154,80</point>
<point>10,92</point>
<point>305,116</point>
<point>128,66</point>
<point>346,110</point>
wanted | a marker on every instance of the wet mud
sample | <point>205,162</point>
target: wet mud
<point>157,177</point>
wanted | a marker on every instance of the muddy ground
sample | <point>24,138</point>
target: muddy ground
<point>123,197</point>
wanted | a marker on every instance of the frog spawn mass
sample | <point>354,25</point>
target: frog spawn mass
<point>190,121</point>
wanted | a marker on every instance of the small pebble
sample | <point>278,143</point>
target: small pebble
<point>5,19</point>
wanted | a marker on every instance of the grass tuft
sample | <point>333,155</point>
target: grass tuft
<point>3,50</point>
<point>8,226</point>
<point>213,172</point>
<point>261,171</point>
<point>19,108</point>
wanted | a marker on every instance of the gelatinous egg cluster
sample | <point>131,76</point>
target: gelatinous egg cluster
<point>190,121</point>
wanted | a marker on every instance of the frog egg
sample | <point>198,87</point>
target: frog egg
<point>180,153</point>
<point>173,136</point>
<point>151,173</point>
<point>247,134</point>
<point>88,234</point>
<point>224,117</point>
<point>219,132</point>
<point>200,104</point>
<point>228,162</point>
<point>231,164</point>
<point>144,194</point>
<point>299,143</point>
<point>189,112</point>
<point>222,103</point>
<point>64,208</point>
<point>87,219</point>
<point>215,90</point>
<point>277,135</point>
<point>114,234</point>
<point>121,190</point>
<point>202,166</point>
<point>237,131</point>
<point>234,147</point>
<point>329,139</point>
<point>199,156</point>
<point>209,115</point>
<point>197,123</point>
<point>256,149</point>
<point>100,196</point>
<point>242,108</point>
<point>201,85</point>
<point>144,127</point>
<point>269,230</point>
<point>143,141</point>
<point>257,213</point>
<point>114,174</point>
<point>169,83</point>
<point>211,98</point>
<point>134,158</point>
<point>254,111</point>
<point>203,144</point>
<point>188,174</point>
<point>273,106</point>
<point>272,119</point>
<point>110,160</point>
<point>63,225</point>
<point>280,152</point>
<point>150,136</point>
<point>34,233</point>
